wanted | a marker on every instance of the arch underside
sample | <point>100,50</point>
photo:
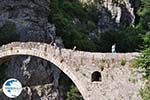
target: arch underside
<point>44,55</point>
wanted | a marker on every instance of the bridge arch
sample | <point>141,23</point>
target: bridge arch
<point>45,52</point>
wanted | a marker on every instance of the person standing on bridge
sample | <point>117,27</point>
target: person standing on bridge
<point>57,46</point>
<point>74,48</point>
<point>113,48</point>
<point>53,44</point>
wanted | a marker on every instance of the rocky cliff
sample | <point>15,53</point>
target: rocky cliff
<point>114,13</point>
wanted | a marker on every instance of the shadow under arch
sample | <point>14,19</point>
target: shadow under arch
<point>8,52</point>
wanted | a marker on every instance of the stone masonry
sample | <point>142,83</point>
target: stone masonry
<point>118,81</point>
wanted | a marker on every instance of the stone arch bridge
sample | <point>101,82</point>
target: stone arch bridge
<point>98,76</point>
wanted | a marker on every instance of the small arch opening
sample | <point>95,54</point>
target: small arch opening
<point>96,76</point>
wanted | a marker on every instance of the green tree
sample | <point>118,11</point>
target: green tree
<point>74,94</point>
<point>144,13</point>
<point>127,40</point>
<point>8,33</point>
<point>145,93</point>
<point>143,61</point>
<point>73,23</point>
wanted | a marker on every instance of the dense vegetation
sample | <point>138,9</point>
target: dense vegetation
<point>127,40</point>
<point>8,33</point>
<point>143,61</point>
<point>73,94</point>
<point>75,22</point>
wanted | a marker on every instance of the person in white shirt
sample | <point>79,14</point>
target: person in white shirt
<point>55,45</point>
<point>113,49</point>
<point>74,48</point>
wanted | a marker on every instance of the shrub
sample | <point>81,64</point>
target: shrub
<point>145,93</point>
<point>74,94</point>
<point>126,39</point>
<point>143,61</point>
<point>144,13</point>
<point>123,62</point>
<point>8,33</point>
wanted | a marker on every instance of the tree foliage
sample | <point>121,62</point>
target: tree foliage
<point>144,13</point>
<point>73,94</point>
<point>143,61</point>
<point>74,21</point>
<point>145,93</point>
<point>126,39</point>
<point>8,33</point>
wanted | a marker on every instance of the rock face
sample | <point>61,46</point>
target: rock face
<point>121,10</point>
<point>114,13</point>
<point>31,20</point>
<point>122,13</point>
<point>39,92</point>
<point>30,17</point>
<point>105,21</point>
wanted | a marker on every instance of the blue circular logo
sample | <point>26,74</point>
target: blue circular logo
<point>12,88</point>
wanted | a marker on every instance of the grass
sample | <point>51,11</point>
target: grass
<point>132,80</point>
<point>101,67</point>
<point>145,92</point>
<point>123,62</point>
